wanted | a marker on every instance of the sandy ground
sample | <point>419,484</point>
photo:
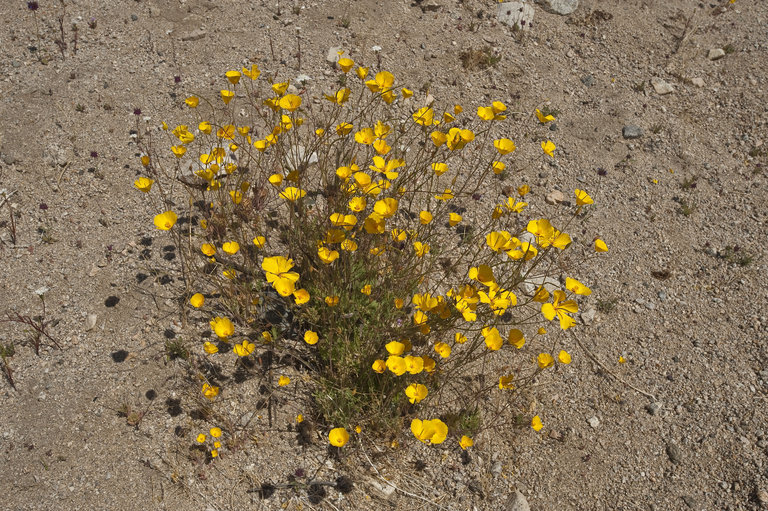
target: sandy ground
<point>681,425</point>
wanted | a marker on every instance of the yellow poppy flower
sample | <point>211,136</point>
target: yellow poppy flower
<point>564,357</point>
<point>338,437</point>
<point>576,287</point>
<point>516,338</point>
<point>278,274</point>
<point>549,148</point>
<point>231,247</point>
<point>222,327</point>
<point>233,77</point>
<point>545,360</point>
<point>210,391</point>
<point>144,184</point>
<point>226,96</point>
<point>582,197</point>
<point>311,337</point>
<point>493,338</point>
<point>292,193</point>
<point>164,221</point>
<point>600,246</point>
<point>379,366</point>
<point>536,423</point>
<point>416,392</point>
<point>504,146</point>
<point>443,349</point>
<point>542,118</point>
<point>345,64</point>
<point>466,442</point>
<point>432,431</point>
<point>505,382</point>
<point>560,308</point>
<point>290,102</point>
<point>301,296</point>
<point>197,300</point>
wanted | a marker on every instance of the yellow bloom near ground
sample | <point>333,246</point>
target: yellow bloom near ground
<point>311,337</point>
<point>164,221</point>
<point>338,437</point>
<point>197,300</point>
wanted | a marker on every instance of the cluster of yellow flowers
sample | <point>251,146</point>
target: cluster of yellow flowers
<point>366,233</point>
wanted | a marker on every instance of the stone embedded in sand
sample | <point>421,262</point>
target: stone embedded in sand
<point>561,7</point>
<point>716,54</point>
<point>554,197</point>
<point>632,132</point>
<point>515,14</point>
<point>661,87</point>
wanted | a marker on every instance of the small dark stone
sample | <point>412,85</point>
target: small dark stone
<point>653,408</point>
<point>588,80</point>
<point>632,132</point>
<point>150,394</point>
<point>111,301</point>
<point>134,17</point>
<point>119,356</point>
<point>674,453</point>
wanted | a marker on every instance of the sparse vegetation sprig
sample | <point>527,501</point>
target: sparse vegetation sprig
<point>343,235</point>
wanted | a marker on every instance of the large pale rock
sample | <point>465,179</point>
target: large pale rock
<point>515,14</point>
<point>561,7</point>
<point>661,87</point>
<point>517,502</point>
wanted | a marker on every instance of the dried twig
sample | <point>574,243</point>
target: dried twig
<point>608,371</point>
<point>390,483</point>
<point>688,30</point>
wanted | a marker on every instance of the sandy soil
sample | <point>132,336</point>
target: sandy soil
<point>681,425</point>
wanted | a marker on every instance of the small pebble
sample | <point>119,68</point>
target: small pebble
<point>594,422</point>
<point>631,132</point>
<point>674,453</point>
<point>661,87</point>
<point>654,408</point>
<point>716,54</point>
<point>555,197</point>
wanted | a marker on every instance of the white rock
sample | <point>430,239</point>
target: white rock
<point>661,87</point>
<point>698,82</point>
<point>90,322</point>
<point>383,488</point>
<point>517,502</point>
<point>588,316</point>
<point>554,197</point>
<point>561,7</point>
<point>333,54</point>
<point>594,422</point>
<point>716,54</point>
<point>530,286</point>
<point>302,79</point>
<point>515,14</point>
